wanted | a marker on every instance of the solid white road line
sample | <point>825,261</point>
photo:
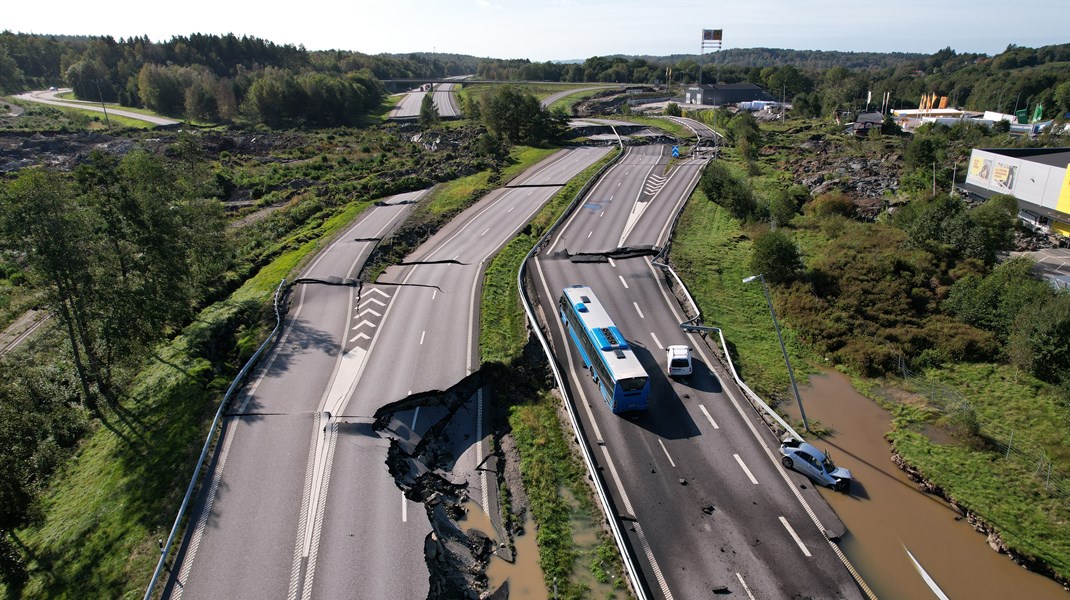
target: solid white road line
<point>422,335</point>
<point>745,588</point>
<point>624,283</point>
<point>666,451</point>
<point>746,470</point>
<point>404,509</point>
<point>636,305</point>
<point>708,417</point>
<point>794,536</point>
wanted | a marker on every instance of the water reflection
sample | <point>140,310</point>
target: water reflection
<point>887,515</point>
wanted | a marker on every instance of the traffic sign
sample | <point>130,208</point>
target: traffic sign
<point>676,152</point>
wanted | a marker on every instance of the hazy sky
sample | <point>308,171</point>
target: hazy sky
<point>568,29</point>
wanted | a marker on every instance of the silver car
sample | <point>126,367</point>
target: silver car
<point>815,464</point>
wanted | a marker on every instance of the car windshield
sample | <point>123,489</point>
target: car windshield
<point>829,467</point>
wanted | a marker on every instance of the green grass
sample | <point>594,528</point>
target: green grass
<point>102,516</point>
<point>1005,495</point>
<point>572,100</point>
<point>456,195</point>
<point>710,253</point>
<point>503,329</point>
<point>548,466</point>
<point>671,126</point>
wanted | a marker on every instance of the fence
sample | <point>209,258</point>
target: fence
<point>1013,447</point>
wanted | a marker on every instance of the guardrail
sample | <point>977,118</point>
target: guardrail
<point>239,379</point>
<point>630,564</point>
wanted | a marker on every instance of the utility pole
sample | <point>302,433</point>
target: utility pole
<point>791,373</point>
<point>104,108</point>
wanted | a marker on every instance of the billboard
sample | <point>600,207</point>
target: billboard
<point>1003,176</point>
<point>711,35</point>
<point>981,168</point>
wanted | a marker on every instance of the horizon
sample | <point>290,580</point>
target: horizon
<point>569,30</point>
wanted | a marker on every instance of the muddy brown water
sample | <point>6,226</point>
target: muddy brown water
<point>886,514</point>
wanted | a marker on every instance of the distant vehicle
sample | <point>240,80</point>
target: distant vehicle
<point>815,464</point>
<point>622,379</point>
<point>678,361</point>
<point>52,88</point>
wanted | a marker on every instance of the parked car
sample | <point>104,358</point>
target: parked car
<point>815,464</point>
<point>678,361</point>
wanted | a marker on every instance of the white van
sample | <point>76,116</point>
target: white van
<point>678,361</point>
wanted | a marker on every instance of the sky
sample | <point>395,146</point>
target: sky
<point>542,30</point>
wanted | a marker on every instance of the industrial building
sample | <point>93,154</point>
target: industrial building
<point>725,93</point>
<point>1037,177</point>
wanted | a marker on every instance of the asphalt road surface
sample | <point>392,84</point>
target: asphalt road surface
<point>300,503</point>
<point>695,480</point>
<point>50,97</point>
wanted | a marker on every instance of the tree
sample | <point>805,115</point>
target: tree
<point>994,301</point>
<point>722,187</point>
<point>1038,339</point>
<point>428,112</point>
<point>672,109</point>
<point>518,118</point>
<point>775,255</point>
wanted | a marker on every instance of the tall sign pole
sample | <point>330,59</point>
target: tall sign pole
<point>711,40</point>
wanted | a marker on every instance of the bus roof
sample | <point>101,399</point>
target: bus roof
<point>616,351</point>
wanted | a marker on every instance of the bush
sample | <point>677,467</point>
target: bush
<point>832,203</point>
<point>725,189</point>
<point>775,255</point>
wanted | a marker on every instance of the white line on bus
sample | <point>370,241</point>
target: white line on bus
<point>666,451</point>
<point>794,536</point>
<point>745,469</point>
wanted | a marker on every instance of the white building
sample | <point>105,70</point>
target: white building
<point>1037,177</point>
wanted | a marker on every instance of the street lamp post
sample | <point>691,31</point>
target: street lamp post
<point>791,373</point>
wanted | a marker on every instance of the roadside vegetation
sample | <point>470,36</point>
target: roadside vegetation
<point>870,291</point>
<point>158,262</point>
<point>554,475</point>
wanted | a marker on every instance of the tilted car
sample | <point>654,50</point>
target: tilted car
<point>815,464</point>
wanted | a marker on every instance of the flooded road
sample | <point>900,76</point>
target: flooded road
<point>887,515</point>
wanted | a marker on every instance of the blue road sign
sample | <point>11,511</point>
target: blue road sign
<point>676,152</point>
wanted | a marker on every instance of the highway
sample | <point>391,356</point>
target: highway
<point>694,481</point>
<point>443,96</point>
<point>49,97</point>
<point>300,502</point>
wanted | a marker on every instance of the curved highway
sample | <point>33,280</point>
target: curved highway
<point>49,97</point>
<point>694,481</point>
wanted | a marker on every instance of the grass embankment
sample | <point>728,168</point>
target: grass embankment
<point>102,517</point>
<point>568,102</point>
<point>1008,494</point>
<point>711,251</point>
<point>549,465</point>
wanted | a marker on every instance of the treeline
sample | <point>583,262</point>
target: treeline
<point>1016,78</point>
<point>805,59</point>
<point>216,78</point>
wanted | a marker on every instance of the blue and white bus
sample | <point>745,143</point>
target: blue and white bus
<point>623,380</point>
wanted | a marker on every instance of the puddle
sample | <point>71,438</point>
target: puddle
<point>886,514</point>
<point>525,575</point>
